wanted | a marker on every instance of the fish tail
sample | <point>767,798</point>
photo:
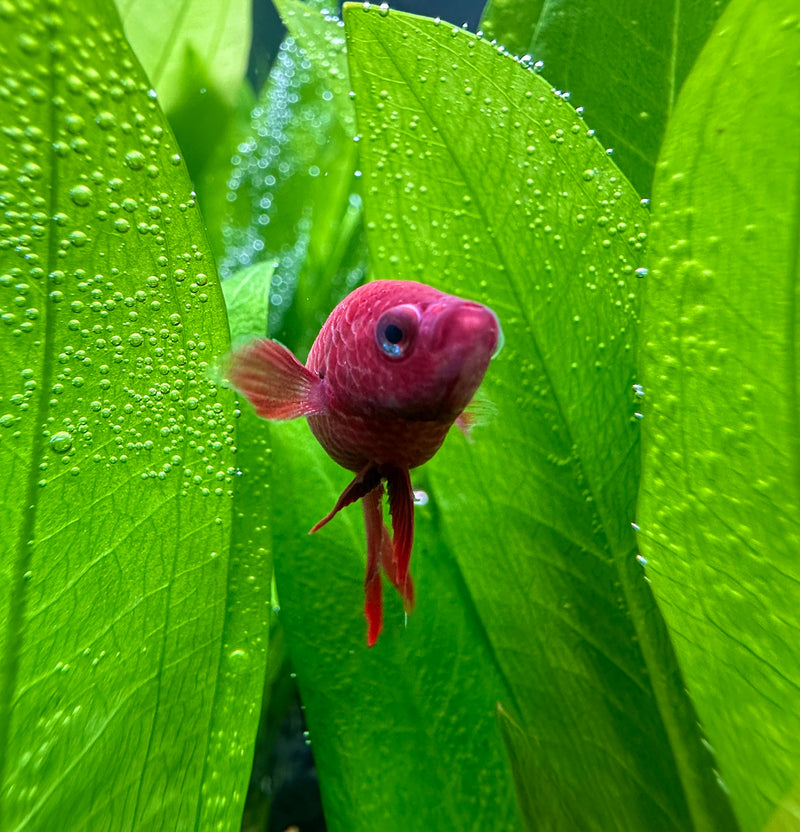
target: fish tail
<point>391,551</point>
<point>408,595</point>
<point>389,564</point>
<point>377,541</point>
<point>373,607</point>
<point>401,508</point>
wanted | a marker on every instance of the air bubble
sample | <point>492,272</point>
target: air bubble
<point>81,195</point>
<point>134,160</point>
<point>106,120</point>
<point>27,43</point>
<point>61,442</point>
<point>74,123</point>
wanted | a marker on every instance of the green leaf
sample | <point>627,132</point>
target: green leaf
<point>213,34</point>
<point>523,764</point>
<point>132,640</point>
<point>212,179</point>
<point>200,115</point>
<point>719,508</point>
<point>247,302</point>
<point>625,62</point>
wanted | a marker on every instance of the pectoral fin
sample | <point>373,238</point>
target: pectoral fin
<point>274,381</point>
<point>480,411</point>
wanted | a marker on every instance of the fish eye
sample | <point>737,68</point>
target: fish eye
<point>393,333</point>
<point>396,331</point>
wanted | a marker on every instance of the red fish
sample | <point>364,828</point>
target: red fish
<point>391,370</point>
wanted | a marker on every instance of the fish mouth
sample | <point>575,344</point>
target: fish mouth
<point>465,337</point>
<point>467,328</point>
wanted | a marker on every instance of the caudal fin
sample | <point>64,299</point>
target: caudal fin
<point>377,542</point>
<point>274,381</point>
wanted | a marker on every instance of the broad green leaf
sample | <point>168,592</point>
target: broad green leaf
<point>625,62</point>
<point>200,116</point>
<point>720,507</point>
<point>404,734</point>
<point>132,642</point>
<point>169,38</point>
<point>523,762</point>
<point>247,302</point>
<point>480,180</point>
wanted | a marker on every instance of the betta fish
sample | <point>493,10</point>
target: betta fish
<point>392,369</point>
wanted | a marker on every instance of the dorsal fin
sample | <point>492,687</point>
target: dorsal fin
<point>274,381</point>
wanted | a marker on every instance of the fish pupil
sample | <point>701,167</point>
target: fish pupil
<point>393,334</point>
